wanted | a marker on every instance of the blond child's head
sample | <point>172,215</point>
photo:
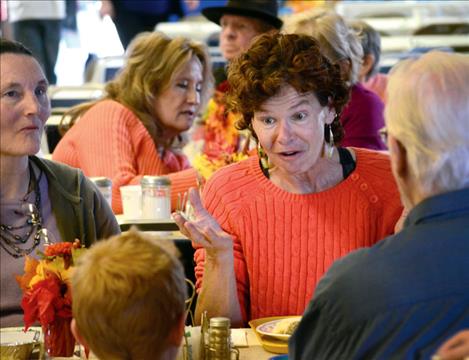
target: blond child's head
<point>128,298</point>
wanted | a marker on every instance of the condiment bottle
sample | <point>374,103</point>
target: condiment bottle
<point>156,197</point>
<point>105,187</point>
<point>219,344</point>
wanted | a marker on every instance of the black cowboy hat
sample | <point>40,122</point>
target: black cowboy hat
<point>265,10</point>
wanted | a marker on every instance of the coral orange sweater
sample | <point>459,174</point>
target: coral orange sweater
<point>109,140</point>
<point>284,242</point>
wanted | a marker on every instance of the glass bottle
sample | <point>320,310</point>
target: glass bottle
<point>105,187</point>
<point>219,340</point>
<point>156,197</point>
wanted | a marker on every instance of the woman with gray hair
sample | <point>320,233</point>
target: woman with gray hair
<point>371,45</point>
<point>363,116</point>
<point>403,297</point>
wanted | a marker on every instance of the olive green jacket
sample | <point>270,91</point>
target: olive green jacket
<point>80,210</point>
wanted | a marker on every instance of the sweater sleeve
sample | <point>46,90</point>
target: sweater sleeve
<point>128,172</point>
<point>109,140</point>
<point>215,205</point>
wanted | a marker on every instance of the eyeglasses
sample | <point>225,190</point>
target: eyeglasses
<point>383,133</point>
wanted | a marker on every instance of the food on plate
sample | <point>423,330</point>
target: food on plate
<point>286,326</point>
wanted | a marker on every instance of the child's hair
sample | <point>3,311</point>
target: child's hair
<point>128,294</point>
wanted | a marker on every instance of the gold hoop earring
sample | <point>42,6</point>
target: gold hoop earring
<point>263,156</point>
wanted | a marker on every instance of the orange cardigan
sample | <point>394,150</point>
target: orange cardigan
<point>109,140</point>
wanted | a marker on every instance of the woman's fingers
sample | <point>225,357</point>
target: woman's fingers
<point>204,230</point>
<point>196,203</point>
<point>197,235</point>
<point>192,229</point>
<point>180,221</point>
<point>456,347</point>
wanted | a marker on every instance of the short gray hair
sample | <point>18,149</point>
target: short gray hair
<point>371,43</point>
<point>428,112</point>
<point>337,40</point>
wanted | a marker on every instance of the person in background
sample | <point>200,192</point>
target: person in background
<point>40,200</point>
<point>136,128</point>
<point>128,299</point>
<point>377,82</point>
<point>270,226</point>
<point>5,27</point>
<point>369,75</point>
<point>363,117</point>
<point>37,25</point>
<point>405,296</point>
<point>133,17</point>
<point>240,22</point>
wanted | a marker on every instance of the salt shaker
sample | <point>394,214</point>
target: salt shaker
<point>219,343</point>
<point>156,197</point>
<point>105,186</point>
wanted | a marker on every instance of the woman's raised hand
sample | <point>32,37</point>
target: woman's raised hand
<point>203,229</point>
<point>456,348</point>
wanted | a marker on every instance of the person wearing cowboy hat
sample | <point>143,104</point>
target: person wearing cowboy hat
<point>240,22</point>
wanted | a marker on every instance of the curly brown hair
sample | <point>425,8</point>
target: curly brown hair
<point>275,60</point>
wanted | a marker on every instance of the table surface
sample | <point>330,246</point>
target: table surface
<point>147,224</point>
<point>253,351</point>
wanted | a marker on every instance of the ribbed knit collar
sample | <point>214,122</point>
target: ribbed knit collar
<point>345,185</point>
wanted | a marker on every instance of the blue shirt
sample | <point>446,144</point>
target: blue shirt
<point>400,299</point>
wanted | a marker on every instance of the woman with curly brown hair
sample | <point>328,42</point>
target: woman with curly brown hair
<point>270,226</point>
<point>363,116</point>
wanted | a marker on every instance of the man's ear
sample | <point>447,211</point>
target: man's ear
<point>398,157</point>
<point>177,332</point>
<point>77,334</point>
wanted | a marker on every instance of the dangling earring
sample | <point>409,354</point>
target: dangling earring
<point>328,141</point>
<point>263,156</point>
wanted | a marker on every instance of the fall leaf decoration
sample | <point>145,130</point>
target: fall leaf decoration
<point>206,166</point>
<point>46,293</point>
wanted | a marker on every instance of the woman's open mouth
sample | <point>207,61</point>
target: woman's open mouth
<point>288,153</point>
<point>188,113</point>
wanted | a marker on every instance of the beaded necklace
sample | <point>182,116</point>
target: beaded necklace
<point>10,241</point>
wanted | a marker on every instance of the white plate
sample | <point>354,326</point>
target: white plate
<point>268,328</point>
<point>16,335</point>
